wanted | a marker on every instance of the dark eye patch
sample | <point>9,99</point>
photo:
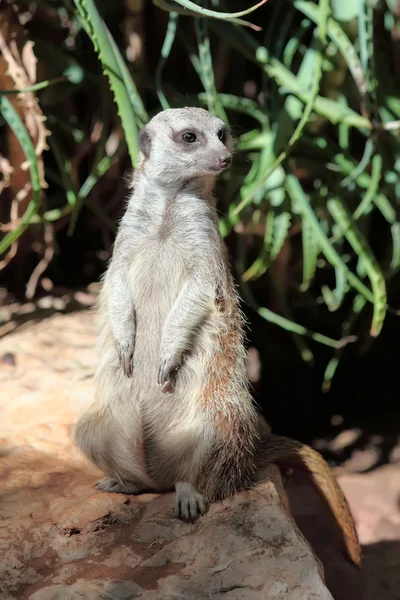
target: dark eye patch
<point>190,139</point>
<point>222,134</point>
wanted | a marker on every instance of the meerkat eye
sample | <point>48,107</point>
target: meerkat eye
<point>222,135</point>
<point>189,137</point>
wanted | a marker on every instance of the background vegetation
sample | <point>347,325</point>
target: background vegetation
<point>310,210</point>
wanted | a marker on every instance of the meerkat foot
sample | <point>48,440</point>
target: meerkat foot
<point>189,503</point>
<point>114,486</point>
<point>167,375</point>
<point>125,357</point>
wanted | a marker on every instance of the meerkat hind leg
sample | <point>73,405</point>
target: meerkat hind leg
<point>189,503</point>
<point>115,486</point>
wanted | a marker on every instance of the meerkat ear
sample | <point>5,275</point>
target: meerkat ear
<point>144,142</point>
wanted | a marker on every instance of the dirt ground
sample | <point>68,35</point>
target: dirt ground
<point>51,517</point>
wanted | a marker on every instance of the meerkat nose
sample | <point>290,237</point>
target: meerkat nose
<point>224,161</point>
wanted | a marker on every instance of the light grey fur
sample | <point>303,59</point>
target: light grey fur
<point>172,407</point>
<point>171,391</point>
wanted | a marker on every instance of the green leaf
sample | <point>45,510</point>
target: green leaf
<point>361,247</point>
<point>130,107</point>
<point>340,39</point>
<point>218,15</point>
<point>165,52</point>
<point>281,227</point>
<point>296,193</point>
<point>210,14</point>
<point>13,119</point>
<point>310,253</point>
<point>344,10</point>
<point>358,304</point>
<point>215,106</point>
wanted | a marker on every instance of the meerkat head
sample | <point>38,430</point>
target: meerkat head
<point>183,143</point>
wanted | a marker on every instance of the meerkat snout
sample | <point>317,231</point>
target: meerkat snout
<point>224,161</point>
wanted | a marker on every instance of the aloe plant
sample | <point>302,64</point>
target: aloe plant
<point>317,150</point>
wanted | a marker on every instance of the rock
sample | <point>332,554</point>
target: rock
<point>375,500</point>
<point>60,538</point>
<point>345,438</point>
<point>113,590</point>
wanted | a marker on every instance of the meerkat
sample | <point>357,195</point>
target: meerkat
<point>172,407</point>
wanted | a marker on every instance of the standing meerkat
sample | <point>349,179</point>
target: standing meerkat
<point>172,406</point>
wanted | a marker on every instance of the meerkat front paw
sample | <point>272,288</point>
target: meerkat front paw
<point>114,486</point>
<point>167,375</point>
<point>125,357</point>
<point>189,503</point>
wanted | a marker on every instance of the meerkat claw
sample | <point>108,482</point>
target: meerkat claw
<point>189,504</point>
<point>125,358</point>
<point>167,376</point>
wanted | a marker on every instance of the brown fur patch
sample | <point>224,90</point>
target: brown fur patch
<point>221,370</point>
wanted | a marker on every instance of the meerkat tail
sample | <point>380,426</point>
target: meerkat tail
<point>290,453</point>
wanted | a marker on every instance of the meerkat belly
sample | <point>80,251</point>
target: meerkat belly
<point>154,287</point>
<point>173,423</point>
<point>179,431</point>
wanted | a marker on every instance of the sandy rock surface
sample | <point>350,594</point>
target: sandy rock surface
<point>62,539</point>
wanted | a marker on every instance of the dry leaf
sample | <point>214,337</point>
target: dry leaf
<point>6,171</point>
<point>21,68</point>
